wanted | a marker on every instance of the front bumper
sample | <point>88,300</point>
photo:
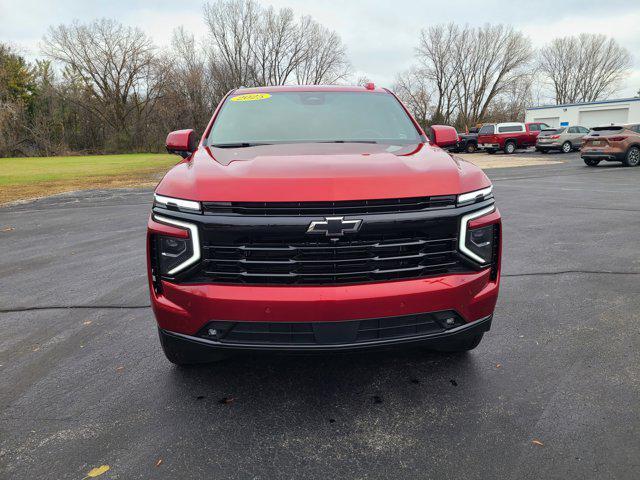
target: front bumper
<point>186,309</point>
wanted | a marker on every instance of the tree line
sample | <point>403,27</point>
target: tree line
<point>104,87</point>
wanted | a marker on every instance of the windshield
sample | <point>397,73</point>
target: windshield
<point>607,130</point>
<point>305,117</point>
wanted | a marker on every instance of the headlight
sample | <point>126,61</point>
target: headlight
<point>175,253</point>
<point>475,196</point>
<point>480,242</point>
<point>170,203</point>
<point>477,243</point>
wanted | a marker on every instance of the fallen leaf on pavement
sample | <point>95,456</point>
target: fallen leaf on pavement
<point>8,228</point>
<point>96,472</point>
<point>227,400</point>
<point>119,369</point>
<point>159,462</point>
<point>498,365</point>
<point>87,322</point>
<point>537,442</point>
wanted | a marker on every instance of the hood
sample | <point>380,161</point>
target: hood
<point>320,172</point>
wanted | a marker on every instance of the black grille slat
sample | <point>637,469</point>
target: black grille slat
<point>331,277</point>
<point>329,261</point>
<point>349,207</point>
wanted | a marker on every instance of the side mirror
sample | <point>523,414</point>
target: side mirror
<point>182,142</point>
<point>444,135</point>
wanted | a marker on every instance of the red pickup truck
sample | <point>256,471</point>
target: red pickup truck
<point>509,136</point>
<point>320,218</point>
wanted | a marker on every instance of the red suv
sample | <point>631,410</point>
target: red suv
<point>509,136</point>
<point>316,218</point>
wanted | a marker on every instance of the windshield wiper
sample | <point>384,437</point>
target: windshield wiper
<point>238,145</point>
<point>348,141</point>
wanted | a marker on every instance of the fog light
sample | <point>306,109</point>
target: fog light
<point>450,322</point>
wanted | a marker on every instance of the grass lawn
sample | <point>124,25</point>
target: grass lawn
<point>32,177</point>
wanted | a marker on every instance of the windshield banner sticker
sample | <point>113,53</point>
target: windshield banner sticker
<point>250,97</point>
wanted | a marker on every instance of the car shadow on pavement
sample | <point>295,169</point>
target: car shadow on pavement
<point>272,391</point>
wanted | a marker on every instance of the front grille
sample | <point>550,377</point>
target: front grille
<point>373,257</point>
<point>328,333</point>
<point>350,207</point>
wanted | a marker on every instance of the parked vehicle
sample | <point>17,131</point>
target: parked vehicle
<point>339,226</point>
<point>564,139</point>
<point>614,144</point>
<point>467,142</point>
<point>509,136</point>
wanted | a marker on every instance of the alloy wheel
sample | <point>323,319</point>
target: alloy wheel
<point>633,157</point>
<point>509,148</point>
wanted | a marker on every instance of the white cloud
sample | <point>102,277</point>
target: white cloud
<point>380,35</point>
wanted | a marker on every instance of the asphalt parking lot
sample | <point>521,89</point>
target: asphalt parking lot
<point>552,392</point>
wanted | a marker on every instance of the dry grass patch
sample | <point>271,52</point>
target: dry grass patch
<point>486,161</point>
<point>33,177</point>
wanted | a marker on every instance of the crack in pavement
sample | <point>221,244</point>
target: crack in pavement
<point>70,307</point>
<point>569,272</point>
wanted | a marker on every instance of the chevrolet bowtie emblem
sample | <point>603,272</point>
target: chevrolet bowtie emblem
<point>334,226</point>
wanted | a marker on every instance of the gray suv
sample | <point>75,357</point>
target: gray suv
<point>564,139</point>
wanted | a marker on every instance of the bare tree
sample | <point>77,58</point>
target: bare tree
<point>512,103</point>
<point>415,91</point>
<point>233,28</point>
<point>191,92</point>
<point>257,46</point>
<point>470,68</point>
<point>489,61</point>
<point>436,56</point>
<point>117,65</point>
<point>325,61</point>
<point>584,68</point>
<point>279,47</point>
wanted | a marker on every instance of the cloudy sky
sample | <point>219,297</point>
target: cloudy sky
<point>380,34</point>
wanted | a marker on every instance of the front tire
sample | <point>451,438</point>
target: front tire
<point>591,162</point>
<point>632,158</point>
<point>566,147</point>
<point>463,345</point>
<point>471,148</point>
<point>509,148</point>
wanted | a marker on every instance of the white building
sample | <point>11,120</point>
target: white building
<point>591,114</point>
